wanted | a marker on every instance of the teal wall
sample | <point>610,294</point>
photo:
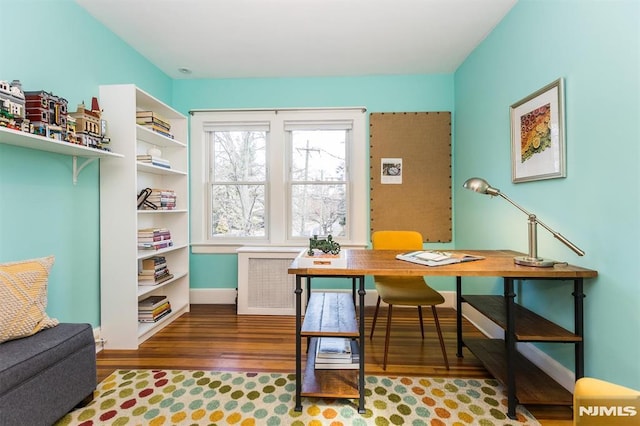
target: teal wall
<point>56,46</point>
<point>377,94</point>
<point>595,47</point>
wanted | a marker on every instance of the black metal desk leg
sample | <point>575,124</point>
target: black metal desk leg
<point>361,293</point>
<point>510,342</point>
<point>578,310</point>
<point>353,290</point>
<point>298,292</point>
<point>459,315</point>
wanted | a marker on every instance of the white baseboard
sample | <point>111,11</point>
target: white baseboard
<point>564,376</point>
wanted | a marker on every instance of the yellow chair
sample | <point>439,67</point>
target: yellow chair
<point>591,394</point>
<point>404,291</point>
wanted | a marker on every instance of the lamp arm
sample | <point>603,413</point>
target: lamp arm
<point>562,238</point>
<point>557,235</point>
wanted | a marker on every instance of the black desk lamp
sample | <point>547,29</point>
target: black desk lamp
<point>482,186</point>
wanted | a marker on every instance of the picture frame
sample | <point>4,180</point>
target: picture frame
<point>538,135</point>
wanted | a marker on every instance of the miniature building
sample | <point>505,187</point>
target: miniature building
<point>71,130</point>
<point>12,104</point>
<point>89,124</point>
<point>48,114</point>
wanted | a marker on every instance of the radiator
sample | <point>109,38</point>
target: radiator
<point>264,286</point>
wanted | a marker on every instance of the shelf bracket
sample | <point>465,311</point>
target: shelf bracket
<point>77,169</point>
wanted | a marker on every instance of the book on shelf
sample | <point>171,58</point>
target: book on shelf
<point>155,319</point>
<point>350,363</point>
<point>143,312</point>
<point>155,280</point>
<point>155,245</point>
<point>157,129</point>
<point>153,160</point>
<point>151,312</point>
<point>333,348</point>
<point>153,264</point>
<point>436,257</point>
<point>163,199</point>
<point>153,232</point>
<point>152,302</point>
<point>146,117</point>
<point>154,239</point>
<point>153,271</point>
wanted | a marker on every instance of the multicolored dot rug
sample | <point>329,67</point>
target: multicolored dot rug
<point>163,397</point>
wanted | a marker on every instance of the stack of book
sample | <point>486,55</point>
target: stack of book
<point>154,122</point>
<point>153,160</point>
<point>339,353</point>
<point>154,238</point>
<point>163,199</point>
<point>153,308</point>
<point>153,271</point>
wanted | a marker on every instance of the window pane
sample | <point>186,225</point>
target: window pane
<point>318,155</point>
<point>237,211</point>
<point>239,156</point>
<point>318,209</point>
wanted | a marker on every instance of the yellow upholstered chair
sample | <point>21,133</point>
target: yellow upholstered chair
<point>404,291</point>
<point>590,393</point>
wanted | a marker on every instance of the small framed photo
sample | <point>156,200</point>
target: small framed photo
<point>391,171</point>
<point>537,135</point>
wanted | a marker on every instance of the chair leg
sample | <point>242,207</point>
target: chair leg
<point>444,351</point>
<point>421,323</point>
<point>375,317</point>
<point>386,338</point>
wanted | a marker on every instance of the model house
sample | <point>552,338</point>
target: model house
<point>594,46</point>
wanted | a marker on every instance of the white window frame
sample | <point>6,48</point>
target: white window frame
<point>278,186</point>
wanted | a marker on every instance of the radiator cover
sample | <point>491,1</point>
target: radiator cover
<point>264,286</point>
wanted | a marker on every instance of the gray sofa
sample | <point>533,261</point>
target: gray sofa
<point>44,376</point>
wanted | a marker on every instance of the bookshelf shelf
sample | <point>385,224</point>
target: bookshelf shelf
<point>144,290</point>
<point>40,143</point>
<point>148,168</point>
<point>151,211</point>
<point>121,259</point>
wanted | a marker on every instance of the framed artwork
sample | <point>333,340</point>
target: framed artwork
<point>391,171</point>
<point>537,135</point>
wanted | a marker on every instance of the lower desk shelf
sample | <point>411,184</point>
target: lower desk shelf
<point>328,383</point>
<point>329,314</point>
<point>533,386</point>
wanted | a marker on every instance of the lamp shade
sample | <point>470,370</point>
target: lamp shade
<point>481,186</point>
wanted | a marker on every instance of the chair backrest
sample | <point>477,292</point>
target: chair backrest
<point>396,240</point>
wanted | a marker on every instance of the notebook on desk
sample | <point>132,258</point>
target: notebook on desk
<point>436,257</point>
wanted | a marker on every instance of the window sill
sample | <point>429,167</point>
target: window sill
<point>211,248</point>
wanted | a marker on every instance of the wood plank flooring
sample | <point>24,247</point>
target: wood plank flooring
<point>213,337</point>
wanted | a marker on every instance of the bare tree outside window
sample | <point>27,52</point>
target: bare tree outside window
<point>238,176</point>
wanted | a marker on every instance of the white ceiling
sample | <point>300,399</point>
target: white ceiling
<point>301,38</point>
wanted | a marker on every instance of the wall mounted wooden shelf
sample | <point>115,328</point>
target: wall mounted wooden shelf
<point>40,143</point>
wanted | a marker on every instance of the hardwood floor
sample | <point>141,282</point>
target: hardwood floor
<point>213,337</point>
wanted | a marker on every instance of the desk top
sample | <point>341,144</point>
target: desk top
<point>497,263</point>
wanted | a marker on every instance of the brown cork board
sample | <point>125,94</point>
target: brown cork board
<point>413,192</point>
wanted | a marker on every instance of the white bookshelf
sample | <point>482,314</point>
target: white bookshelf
<point>120,218</point>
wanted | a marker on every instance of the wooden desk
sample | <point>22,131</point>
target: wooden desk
<point>518,375</point>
